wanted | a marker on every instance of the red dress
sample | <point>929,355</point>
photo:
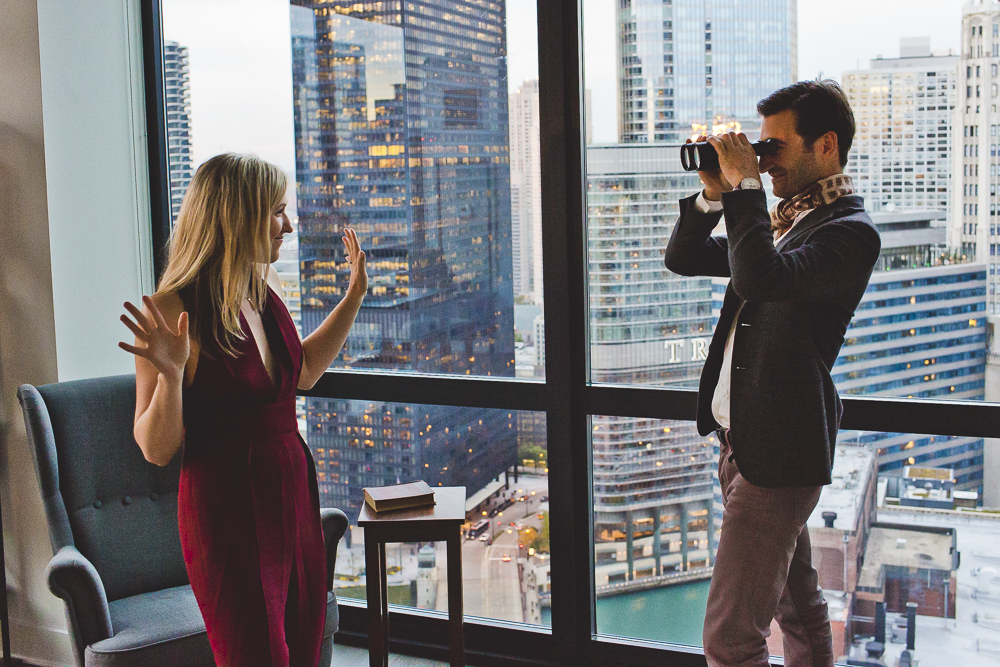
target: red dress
<point>248,505</point>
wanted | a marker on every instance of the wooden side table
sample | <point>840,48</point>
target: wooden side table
<point>443,521</point>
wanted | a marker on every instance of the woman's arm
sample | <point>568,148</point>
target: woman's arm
<point>322,346</point>
<point>161,356</point>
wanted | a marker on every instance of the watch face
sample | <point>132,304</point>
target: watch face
<point>749,184</point>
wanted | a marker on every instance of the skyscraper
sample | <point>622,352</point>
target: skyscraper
<point>686,64</point>
<point>401,133</point>
<point>526,190</point>
<point>653,481</point>
<point>975,209</point>
<point>901,157</point>
<point>975,225</point>
<point>177,85</point>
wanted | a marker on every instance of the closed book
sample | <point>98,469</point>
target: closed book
<point>399,496</point>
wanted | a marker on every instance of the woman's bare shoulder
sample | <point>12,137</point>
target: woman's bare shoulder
<point>169,304</point>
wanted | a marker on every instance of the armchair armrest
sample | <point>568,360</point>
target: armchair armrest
<point>334,526</point>
<point>74,579</point>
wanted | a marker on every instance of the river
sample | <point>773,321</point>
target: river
<point>672,614</point>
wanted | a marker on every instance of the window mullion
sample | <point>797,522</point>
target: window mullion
<point>566,336</point>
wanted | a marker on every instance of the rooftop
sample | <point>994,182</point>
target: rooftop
<point>851,468</point>
<point>972,639</point>
<point>914,548</point>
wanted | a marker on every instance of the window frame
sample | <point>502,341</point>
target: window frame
<point>566,394</point>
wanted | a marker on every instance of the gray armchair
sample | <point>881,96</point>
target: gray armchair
<point>113,525</point>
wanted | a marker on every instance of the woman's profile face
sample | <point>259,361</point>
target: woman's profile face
<point>278,227</point>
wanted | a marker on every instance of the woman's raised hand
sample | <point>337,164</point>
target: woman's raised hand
<point>356,258</point>
<point>165,348</point>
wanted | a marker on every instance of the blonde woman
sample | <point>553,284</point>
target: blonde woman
<point>224,394</point>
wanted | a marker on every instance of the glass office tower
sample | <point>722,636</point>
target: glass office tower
<point>401,133</point>
<point>684,65</point>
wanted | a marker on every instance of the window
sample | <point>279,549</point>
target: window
<point>391,120</point>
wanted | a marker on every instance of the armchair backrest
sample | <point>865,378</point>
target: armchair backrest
<point>100,493</point>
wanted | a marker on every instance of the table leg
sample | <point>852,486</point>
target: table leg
<point>456,613</point>
<point>377,650</point>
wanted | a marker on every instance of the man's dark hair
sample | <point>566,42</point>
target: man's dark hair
<point>820,107</point>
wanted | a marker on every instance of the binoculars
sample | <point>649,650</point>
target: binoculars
<point>701,156</point>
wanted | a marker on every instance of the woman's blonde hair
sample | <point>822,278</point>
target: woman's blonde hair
<point>220,237</point>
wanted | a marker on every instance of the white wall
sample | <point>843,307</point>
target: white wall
<point>72,171</point>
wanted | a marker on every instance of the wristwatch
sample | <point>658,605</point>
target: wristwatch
<point>750,183</point>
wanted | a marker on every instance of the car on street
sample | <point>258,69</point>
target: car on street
<point>484,537</point>
<point>506,558</point>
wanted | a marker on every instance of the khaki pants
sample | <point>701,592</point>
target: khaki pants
<point>764,570</point>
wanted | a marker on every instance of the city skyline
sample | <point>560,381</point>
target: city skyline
<point>259,29</point>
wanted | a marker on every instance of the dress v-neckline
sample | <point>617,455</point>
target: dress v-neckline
<point>260,358</point>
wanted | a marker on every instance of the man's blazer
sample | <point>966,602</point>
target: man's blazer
<point>799,299</point>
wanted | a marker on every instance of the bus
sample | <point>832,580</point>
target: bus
<point>479,529</point>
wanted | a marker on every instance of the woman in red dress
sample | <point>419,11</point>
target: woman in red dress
<point>248,504</point>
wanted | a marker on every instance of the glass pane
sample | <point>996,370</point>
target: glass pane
<point>416,124</point>
<point>657,513</point>
<point>501,459</point>
<point>658,516</point>
<point>658,72</point>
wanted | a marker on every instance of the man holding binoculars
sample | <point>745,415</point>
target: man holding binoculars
<point>797,273</point>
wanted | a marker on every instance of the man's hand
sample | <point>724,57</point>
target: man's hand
<point>715,184</point>
<point>736,157</point>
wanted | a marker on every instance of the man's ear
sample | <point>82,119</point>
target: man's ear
<point>830,145</point>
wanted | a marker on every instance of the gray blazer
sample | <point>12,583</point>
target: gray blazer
<point>800,297</point>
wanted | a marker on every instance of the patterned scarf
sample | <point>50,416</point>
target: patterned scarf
<point>824,191</point>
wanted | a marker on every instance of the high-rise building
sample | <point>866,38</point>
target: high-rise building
<point>901,156</point>
<point>685,64</point>
<point>401,133</point>
<point>919,331</point>
<point>177,89</point>
<point>974,219</point>
<point>653,479</point>
<point>526,190</point>
<point>975,225</point>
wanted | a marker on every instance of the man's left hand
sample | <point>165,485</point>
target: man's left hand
<point>736,157</point>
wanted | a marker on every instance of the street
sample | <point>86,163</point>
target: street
<point>492,587</point>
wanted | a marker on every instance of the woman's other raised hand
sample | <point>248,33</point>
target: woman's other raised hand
<point>165,348</point>
<point>358,286</point>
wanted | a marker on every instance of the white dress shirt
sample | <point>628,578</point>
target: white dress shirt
<point>720,400</point>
